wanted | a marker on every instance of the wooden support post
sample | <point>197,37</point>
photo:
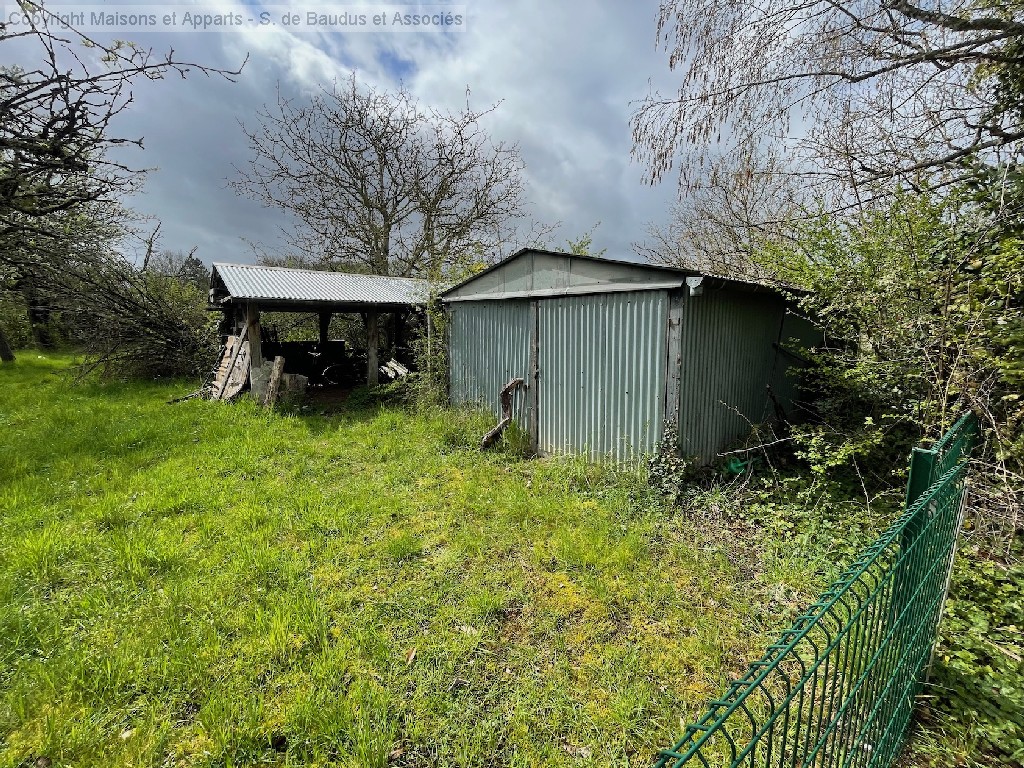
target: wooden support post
<point>398,324</point>
<point>275,382</point>
<point>325,326</point>
<point>430,347</point>
<point>252,324</point>
<point>371,348</point>
<point>252,327</point>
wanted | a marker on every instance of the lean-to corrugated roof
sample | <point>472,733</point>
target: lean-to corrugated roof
<point>250,282</point>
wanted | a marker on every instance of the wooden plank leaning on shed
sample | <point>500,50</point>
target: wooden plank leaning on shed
<point>223,375</point>
<point>506,414</point>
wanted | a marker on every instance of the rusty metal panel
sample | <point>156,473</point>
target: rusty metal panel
<point>602,373</point>
<point>488,345</point>
<point>728,363</point>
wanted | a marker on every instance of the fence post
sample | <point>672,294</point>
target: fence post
<point>926,676</point>
<point>922,469</point>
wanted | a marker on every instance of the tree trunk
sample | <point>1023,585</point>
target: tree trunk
<point>39,319</point>
<point>6,354</point>
<point>38,314</point>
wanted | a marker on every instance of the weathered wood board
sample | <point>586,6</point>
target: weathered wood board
<point>233,372</point>
<point>275,382</point>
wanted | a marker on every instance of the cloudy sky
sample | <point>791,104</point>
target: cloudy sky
<point>565,73</point>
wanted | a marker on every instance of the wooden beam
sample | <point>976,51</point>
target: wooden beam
<point>252,327</point>
<point>371,348</point>
<point>325,325</point>
<point>252,324</point>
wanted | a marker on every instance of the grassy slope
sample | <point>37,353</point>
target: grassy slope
<point>205,584</point>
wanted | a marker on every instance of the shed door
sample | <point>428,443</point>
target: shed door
<point>490,344</point>
<point>601,384</point>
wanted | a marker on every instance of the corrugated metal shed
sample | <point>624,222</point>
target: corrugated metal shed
<point>542,274</point>
<point>285,286</point>
<point>612,351</point>
<point>533,273</point>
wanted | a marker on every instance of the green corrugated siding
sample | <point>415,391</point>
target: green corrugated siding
<point>489,344</point>
<point>602,373</point>
<point>799,336</point>
<point>727,363</point>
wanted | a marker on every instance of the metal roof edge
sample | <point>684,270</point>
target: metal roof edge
<point>419,280</point>
<point>270,305</point>
<point>576,290</point>
<point>721,280</point>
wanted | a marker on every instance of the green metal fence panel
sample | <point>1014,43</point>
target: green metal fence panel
<point>838,687</point>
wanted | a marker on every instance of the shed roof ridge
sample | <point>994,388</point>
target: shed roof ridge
<point>317,271</point>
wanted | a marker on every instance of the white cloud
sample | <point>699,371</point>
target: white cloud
<point>565,74</point>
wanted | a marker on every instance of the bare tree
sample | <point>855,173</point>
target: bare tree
<point>56,119</point>
<point>720,224</point>
<point>56,127</point>
<point>379,184</point>
<point>863,93</point>
<point>186,268</point>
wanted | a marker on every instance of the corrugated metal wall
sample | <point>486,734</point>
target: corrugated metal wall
<point>602,373</point>
<point>489,345</point>
<point>798,336</point>
<point>727,362</point>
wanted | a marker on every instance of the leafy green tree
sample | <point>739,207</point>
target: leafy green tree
<point>922,300</point>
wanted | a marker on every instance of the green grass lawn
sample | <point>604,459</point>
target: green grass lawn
<point>205,584</point>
